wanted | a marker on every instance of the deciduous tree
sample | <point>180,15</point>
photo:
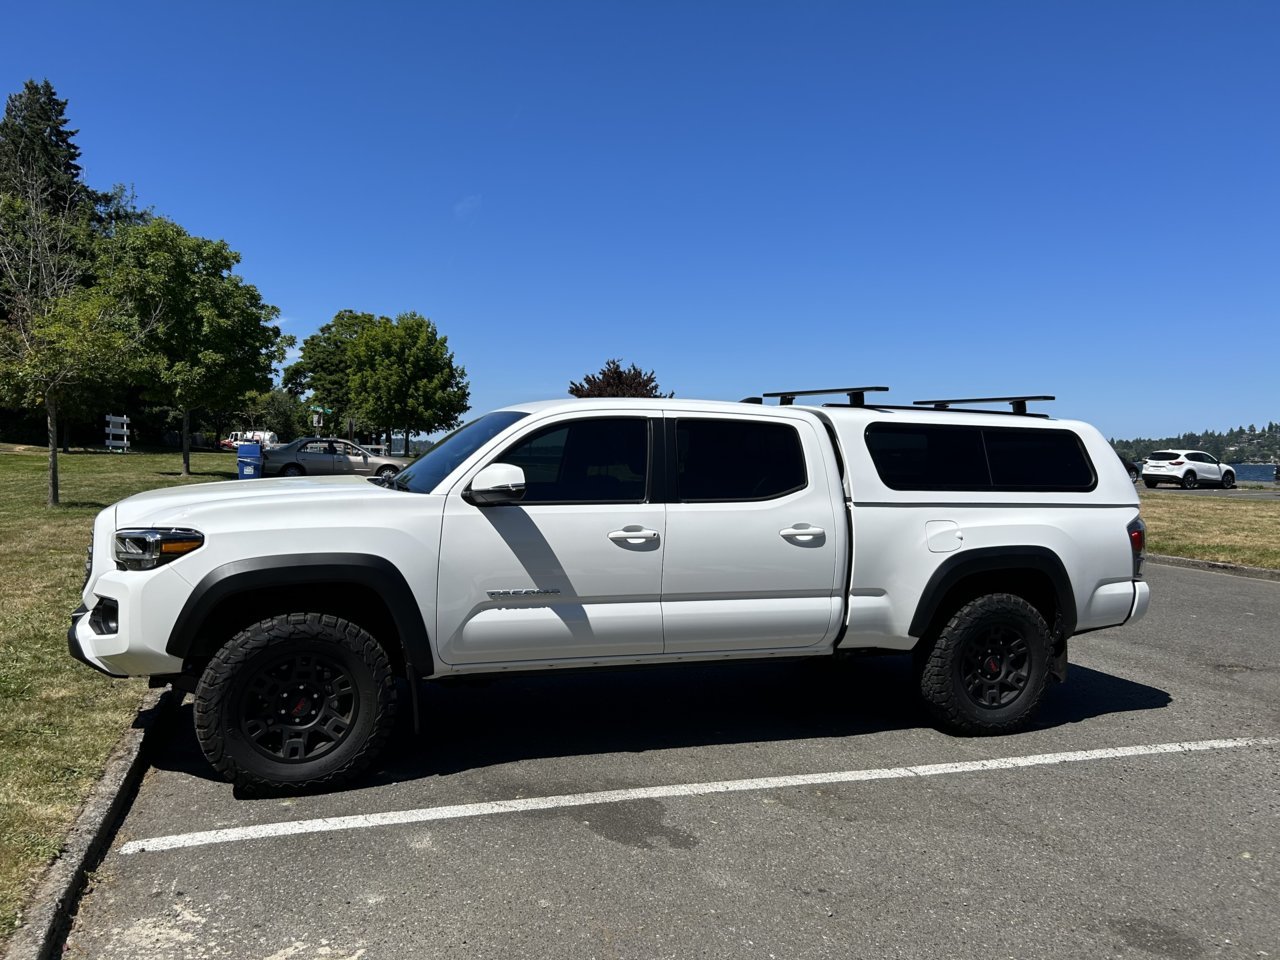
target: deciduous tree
<point>211,338</point>
<point>613,381</point>
<point>404,375</point>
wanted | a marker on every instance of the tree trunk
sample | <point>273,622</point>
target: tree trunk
<point>186,442</point>
<point>51,411</point>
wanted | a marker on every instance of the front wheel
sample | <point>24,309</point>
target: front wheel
<point>1228,480</point>
<point>298,701</point>
<point>988,668</point>
<point>1189,480</point>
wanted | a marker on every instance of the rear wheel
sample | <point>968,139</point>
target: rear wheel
<point>1151,484</point>
<point>1228,480</point>
<point>386,473</point>
<point>295,702</point>
<point>291,470</point>
<point>987,670</point>
<point>1189,480</point>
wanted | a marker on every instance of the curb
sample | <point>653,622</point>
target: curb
<point>1235,569</point>
<point>48,917</point>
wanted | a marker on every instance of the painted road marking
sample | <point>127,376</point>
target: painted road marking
<point>294,828</point>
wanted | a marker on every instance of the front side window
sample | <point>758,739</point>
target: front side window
<point>425,473</point>
<point>719,460</point>
<point>584,461</point>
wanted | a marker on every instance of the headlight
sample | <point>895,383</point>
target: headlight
<point>147,549</point>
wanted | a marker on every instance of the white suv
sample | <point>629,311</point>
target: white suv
<point>1187,468</point>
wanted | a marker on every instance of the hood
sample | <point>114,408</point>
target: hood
<point>178,506</point>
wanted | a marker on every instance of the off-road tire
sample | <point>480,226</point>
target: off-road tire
<point>232,689</point>
<point>950,684</point>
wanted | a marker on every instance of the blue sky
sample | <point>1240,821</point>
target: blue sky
<point>951,198</point>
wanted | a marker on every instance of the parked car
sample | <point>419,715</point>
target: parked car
<point>1187,468</point>
<point>610,531</point>
<point>1133,468</point>
<point>324,456</point>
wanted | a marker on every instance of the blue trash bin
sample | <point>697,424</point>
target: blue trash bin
<point>249,461</point>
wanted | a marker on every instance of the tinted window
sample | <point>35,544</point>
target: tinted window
<point>1037,460</point>
<point>1163,455</point>
<point>737,460</point>
<point>924,457</point>
<point>584,461</point>
<point>940,457</point>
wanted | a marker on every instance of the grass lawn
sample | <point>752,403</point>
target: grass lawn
<point>58,719</point>
<point>1225,529</point>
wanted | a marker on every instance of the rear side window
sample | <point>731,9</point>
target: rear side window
<point>737,460</point>
<point>584,461</point>
<point>943,457</point>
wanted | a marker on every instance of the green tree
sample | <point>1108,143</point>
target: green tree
<point>613,381</point>
<point>59,337</point>
<point>324,368</point>
<point>404,376</point>
<point>275,410</point>
<point>210,337</point>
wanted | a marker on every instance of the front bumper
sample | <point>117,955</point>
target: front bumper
<point>78,616</point>
<point>131,641</point>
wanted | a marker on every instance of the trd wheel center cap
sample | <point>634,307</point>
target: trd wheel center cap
<point>991,665</point>
<point>301,707</point>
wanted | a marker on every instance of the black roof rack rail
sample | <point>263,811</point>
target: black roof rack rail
<point>1019,404</point>
<point>857,395</point>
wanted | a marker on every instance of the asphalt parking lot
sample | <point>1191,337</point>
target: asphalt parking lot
<point>1140,818</point>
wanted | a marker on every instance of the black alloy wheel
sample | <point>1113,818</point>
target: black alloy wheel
<point>1228,480</point>
<point>1189,480</point>
<point>995,666</point>
<point>299,708</point>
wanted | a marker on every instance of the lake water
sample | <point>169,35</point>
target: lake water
<point>1254,472</point>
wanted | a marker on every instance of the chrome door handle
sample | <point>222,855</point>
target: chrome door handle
<point>802,532</point>
<point>632,535</point>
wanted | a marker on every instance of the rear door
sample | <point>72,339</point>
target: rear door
<point>753,546</point>
<point>573,571</point>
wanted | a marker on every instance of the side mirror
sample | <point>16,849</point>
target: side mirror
<point>496,484</point>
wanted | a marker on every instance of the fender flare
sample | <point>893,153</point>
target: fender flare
<point>966,563</point>
<point>375,573</point>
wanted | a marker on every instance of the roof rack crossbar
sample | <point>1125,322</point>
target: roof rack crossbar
<point>857,395</point>
<point>1019,404</point>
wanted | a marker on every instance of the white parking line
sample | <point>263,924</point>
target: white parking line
<point>363,821</point>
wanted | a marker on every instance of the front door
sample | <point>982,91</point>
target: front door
<point>753,548</point>
<point>573,571</point>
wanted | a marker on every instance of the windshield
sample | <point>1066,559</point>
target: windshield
<point>425,474</point>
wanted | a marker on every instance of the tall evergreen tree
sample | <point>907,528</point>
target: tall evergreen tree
<point>35,144</point>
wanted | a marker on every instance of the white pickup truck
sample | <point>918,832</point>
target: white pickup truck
<point>592,533</point>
